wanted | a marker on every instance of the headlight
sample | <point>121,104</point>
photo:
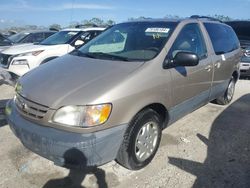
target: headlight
<point>7,109</point>
<point>34,53</point>
<point>82,116</point>
<point>18,87</point>
<point>20,62</point>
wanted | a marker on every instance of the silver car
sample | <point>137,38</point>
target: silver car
<point>111,98</point>
<point>245,64</point>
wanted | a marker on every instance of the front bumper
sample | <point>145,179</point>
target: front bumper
<point>18,70</point>
<point>21,69</point>
<point>68,149</point>
<point>15,70</point>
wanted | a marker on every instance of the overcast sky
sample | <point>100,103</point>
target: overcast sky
<point>47,12</point>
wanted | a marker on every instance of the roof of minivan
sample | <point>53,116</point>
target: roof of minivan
<point>154,20</point>
<point>173,20</point>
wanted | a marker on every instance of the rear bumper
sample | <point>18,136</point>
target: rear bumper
<point>245,73</point>
<point>245,69</point>
<point>68,149</point>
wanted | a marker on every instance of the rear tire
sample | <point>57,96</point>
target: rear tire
<point>141,140</point>
<point>227,97</point>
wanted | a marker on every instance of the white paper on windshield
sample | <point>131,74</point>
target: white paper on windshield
<point>72,33</point>
<point>157,30</point>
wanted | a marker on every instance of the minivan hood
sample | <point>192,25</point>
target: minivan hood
<point>73,80</point>
<point>19,49</point>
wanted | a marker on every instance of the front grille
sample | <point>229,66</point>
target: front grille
<point>4,59</point>
<point>29,108</point>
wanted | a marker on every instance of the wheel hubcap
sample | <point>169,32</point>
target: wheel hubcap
<point>146,141</point>
<point>230,90</point>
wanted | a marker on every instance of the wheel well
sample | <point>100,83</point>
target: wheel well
<point>235,75</point>
<point>161,110</point>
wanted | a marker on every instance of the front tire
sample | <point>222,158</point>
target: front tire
<point>229,93</point>
<point>141,140</point>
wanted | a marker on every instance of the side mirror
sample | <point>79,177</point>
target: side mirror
<point>186,59</point>
<point>78,43</point>
<point>183,59</point>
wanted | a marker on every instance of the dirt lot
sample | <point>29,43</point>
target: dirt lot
<point>208,148</point>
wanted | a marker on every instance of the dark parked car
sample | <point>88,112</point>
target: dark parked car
<point>245,64</point>
<point>242,30</point>
<point>30,36</point>
<point>27,37</point>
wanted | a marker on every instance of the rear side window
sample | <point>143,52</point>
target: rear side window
<point>87,36</point>
<point>34,37</point>
<point>38,37</point>
<point>223,38</point>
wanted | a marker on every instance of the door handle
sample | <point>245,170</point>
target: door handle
<point>217,65</point>
<point>208,68</point>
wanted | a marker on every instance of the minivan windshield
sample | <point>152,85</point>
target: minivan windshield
<point>16,38</point>
<point>61,37</point>
<point>132,41</point>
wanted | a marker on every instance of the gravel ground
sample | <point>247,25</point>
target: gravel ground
<point>208,148</point>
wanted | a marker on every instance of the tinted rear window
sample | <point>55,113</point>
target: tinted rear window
<point>223,38</point>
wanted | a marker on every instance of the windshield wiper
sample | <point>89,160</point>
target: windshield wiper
<point>106,55</point>
<point>100,55</point>
<point>79,53</point>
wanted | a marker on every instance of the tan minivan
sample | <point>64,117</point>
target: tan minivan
<point>111,98</point>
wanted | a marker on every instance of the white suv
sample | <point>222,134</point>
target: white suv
<point>18,60</point>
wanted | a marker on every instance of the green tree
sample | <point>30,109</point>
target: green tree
<point>169,16</point>
<point>73,24</point>
<point>55,26</point>
<point>31,27</point>
<point>110,22</point>
<point>222,17</point>
<point>139,18</point>
<point>96,21</point>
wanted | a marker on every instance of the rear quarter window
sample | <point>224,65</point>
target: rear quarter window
<point>223,38</point>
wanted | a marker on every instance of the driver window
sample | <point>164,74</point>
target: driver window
<point>190,39</point>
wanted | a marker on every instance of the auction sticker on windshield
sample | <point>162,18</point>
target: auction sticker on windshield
<point>157,30</point>
<point>72,33</point>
